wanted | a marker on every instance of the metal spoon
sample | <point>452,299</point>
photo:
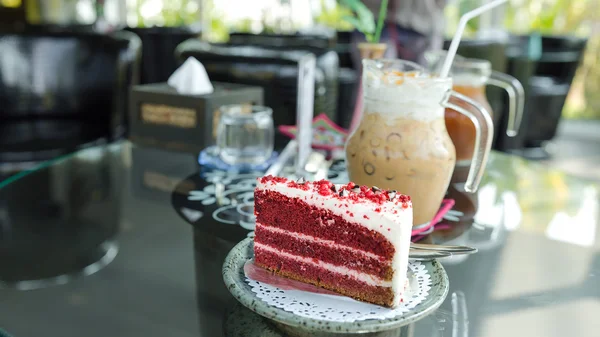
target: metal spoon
<point>444,248</point>
<point>426,255</point>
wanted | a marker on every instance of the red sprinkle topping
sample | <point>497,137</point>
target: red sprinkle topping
<point>348,192</point>
<point>294,184</point>
<point>403,198</point>
<point>268,178</point>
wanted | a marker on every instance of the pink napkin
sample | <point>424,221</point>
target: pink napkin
<point>326,134</point>
<point>444,208</point>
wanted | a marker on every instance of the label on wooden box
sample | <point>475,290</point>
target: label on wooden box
<point>168,115</point>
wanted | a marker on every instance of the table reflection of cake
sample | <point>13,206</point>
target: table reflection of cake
<point>349,239</point>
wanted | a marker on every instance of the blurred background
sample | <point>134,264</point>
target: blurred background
<point>67,66</point>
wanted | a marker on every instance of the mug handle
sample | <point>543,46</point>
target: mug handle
<point>516,99</point>
<point>484,135</point>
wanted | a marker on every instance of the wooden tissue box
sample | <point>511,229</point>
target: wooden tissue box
<point>161,117</point>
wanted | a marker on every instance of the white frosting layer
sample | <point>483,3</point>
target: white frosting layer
<point>362,277</point>
<point>316,240</point>
<point>415,98</point>
<point>393,222</point>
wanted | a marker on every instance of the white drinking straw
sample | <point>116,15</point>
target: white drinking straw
<point>461,28</point>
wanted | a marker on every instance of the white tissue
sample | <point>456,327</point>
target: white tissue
<point>191,78</point>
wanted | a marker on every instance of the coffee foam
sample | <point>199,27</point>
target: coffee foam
<point>415,98</point>
<point>469,80</point>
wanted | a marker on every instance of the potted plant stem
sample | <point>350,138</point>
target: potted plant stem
<point>363,21</point>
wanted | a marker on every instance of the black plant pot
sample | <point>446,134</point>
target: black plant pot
<point>547,80</point>
<point>347,84</point>
<point>343,47</point>
<point>547,96</point>
<point>85,78</point>
<point>158,46</point>
<point>560,57</point>
<point>522,68</point>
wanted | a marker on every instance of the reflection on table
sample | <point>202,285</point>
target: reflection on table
<point>536,272</point>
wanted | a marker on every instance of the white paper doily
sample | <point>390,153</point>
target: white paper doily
<point>341,308</point>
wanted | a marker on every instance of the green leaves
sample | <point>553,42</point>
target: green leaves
<point>363,20</point>
<point>356,23</point>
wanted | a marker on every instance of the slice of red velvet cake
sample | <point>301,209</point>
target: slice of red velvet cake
<point>349,239</point>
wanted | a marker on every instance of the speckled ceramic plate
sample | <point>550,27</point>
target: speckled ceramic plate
<point>235,280</point>
<point>241,322</point>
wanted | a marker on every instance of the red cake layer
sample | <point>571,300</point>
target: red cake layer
<point>336,256</point>
<point>309,273</point>
<point>292,214</point>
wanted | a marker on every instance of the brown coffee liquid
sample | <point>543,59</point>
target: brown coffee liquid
<point>460,128</point>
<point>413,157</point>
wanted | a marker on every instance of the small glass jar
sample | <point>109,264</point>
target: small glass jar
<point>245,134</point>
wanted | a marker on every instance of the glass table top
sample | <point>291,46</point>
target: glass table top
<point>122,240</point>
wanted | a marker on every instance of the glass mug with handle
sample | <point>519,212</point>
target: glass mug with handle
<point>245,134</point>
<point>470,78</point>
<point>401,142</point>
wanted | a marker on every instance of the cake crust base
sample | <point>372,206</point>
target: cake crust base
<point>301,272</point>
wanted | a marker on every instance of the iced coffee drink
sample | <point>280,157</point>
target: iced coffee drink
<point>459,126</point>
<point>470,78</point>
<point>402,143</point>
